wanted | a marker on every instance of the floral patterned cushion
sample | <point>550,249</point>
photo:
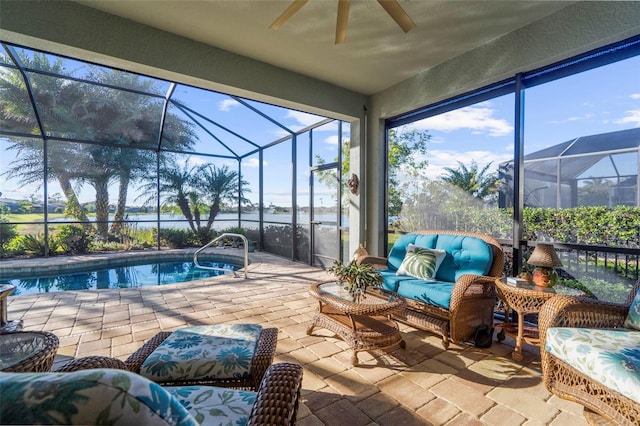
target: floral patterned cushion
<point>215,406</point>
<point>88,397</point>
<point>608,356</point>
<point>211,351</point>
<point>633,318</point>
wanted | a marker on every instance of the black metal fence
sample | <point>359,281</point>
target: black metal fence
<point>608,272</point>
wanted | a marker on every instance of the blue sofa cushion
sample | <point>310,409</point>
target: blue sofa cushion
<point>399,249</point>
<point>465,255</point>
<point>436,293</point>
<point>392,280</point>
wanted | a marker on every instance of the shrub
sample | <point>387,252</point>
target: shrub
<point>74,239</point>
<point>177,238</point>
<point>7,233</point>
<point>204,236</point>
<point>614,227</point>
<point>108,246</point>
<point>32,244</point>
<point>234,230</point>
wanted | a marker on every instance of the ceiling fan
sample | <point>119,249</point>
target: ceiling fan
<point>392,7</point>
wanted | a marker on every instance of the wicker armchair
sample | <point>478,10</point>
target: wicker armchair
<point>91,384</point>
<point>473,296</point>
<point>601,403</point>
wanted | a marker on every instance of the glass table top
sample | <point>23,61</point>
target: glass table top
<point>16,347</point>
<point>337,290</point>
<point>556,289</point>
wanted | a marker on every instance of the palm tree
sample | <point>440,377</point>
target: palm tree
<point>19,117</point>
<point>197,190</point>
<point>219,184</point>
<point>478,183</point>
<point>95,113</point>
<point>175,187</point>
<point>595,192</point>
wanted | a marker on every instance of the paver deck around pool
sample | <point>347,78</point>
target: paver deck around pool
<point>421,385</point>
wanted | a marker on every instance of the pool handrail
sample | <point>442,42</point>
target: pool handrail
<point>215,240</point>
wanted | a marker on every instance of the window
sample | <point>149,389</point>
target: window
<point>580,127</point>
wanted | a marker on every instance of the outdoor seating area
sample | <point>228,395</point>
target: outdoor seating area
<point>458,295</point>
<point>420,384</point>
<point>218,213</point>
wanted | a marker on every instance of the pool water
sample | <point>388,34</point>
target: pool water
<point>126,276</point>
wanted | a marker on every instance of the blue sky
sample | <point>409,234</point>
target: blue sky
<point>602,100</point>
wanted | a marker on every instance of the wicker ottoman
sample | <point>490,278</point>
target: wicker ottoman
<point>227,355</point>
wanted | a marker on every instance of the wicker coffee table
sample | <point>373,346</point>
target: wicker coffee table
<point>365,325</point>
<point>525,299</point>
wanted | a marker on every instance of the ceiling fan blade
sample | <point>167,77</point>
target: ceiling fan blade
<point>343,18</point>
<point>291,10</point>
<point>398,14</point>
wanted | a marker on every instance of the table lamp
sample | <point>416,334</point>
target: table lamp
<point>545,260</point>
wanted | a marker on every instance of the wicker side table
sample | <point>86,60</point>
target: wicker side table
<point>364,325</point>
<point>524,300</point>
<point>27,351</point>
<point>7,290</point>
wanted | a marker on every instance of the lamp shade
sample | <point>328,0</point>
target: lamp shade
<point>544,255</point>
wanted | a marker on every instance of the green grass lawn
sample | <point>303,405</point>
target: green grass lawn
<point>31,217</point>
<point>31,228</point>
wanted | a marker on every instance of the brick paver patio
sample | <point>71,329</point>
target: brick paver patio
<point>421,385</point>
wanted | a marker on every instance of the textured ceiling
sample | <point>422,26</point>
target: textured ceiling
<point>377,53</point>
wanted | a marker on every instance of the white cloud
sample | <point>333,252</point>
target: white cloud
<point>632,117</point>
<point>478,118</point>
<point>252,162</point>
<point>281,133</point>
<point>635,96</point>
<point>331,140</point>
<point>572,118</point>
<point>227,104</point>
<point>587,116</point>
<point>304,119</point>
<point>439,160</point>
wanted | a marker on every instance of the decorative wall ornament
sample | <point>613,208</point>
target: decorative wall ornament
<point>353,183</point>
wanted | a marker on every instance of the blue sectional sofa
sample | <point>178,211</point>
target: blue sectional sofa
<point>460,297</point>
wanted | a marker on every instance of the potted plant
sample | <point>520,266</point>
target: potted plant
<point>356,278</point>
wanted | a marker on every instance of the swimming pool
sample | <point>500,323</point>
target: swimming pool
<point>120,274</point>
